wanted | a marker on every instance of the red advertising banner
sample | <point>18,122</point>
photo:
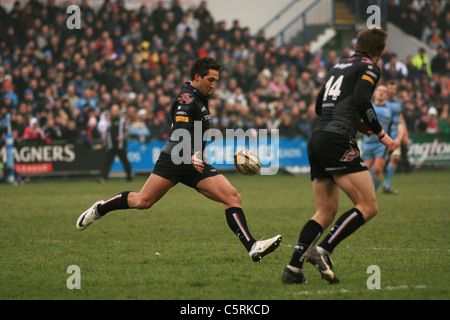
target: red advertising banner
<point>34,168</point>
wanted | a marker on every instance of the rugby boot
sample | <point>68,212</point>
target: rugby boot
<point>291,277</point>
<point>89,216</point>
<point>320,258</point>
<point>264,247</point>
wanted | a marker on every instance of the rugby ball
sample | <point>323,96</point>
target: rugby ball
<point>247,162</point>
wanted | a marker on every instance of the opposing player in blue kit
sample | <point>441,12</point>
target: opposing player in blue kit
<point>374,152</point>
<point>397,132</point>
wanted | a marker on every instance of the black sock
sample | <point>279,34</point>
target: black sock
<point>348,223</point>
<point>238,224</point>
<point>309,235</point>
<point>117,202</point>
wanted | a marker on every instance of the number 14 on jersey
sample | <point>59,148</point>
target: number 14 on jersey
<point>333,89</point>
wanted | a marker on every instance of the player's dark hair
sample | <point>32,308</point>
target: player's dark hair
<point>371,42</point>
<point>202,67</point>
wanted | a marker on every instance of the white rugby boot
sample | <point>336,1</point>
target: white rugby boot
<point>89,216</point>
<point>264,247</point>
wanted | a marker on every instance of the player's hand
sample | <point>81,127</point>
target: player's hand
<point>197,162</point>
<point>389,143</point>
<point>398,142</point>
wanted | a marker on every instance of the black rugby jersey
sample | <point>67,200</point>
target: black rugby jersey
<point>189,108</point>
<point>345,98</point>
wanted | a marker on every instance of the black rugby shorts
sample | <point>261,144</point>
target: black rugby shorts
<point>184,173</point>
<point>330,154</point>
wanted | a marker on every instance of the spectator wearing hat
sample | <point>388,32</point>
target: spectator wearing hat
<point>30,99</point>
<point>34,132</point>
<point>432,121</point>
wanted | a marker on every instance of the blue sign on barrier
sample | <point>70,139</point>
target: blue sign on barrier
<point>287,152</point>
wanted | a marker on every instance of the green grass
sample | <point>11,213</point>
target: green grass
<point>200,258</point>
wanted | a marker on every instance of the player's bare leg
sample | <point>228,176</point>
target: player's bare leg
<point>359,188</point>
<point>219,189</point>
<point>153,190</point>
<point>326,195</point>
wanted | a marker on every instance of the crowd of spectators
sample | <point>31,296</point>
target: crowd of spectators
<point>427,20</point>
<point>59,83</point>
<point>423,79</point>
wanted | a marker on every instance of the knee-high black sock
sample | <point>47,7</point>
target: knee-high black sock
<point>117,202</point>
<point>238,224</point>
<point>348,223</point>
<point>309,235</point>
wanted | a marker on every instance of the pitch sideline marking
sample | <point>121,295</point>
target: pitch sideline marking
<point>328,292</point>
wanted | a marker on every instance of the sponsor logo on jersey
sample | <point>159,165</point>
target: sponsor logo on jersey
<point>185,98</point>
<point>343,65</point>
<point>181,119</point>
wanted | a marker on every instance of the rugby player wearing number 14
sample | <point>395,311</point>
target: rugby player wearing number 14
<point>335,160</point>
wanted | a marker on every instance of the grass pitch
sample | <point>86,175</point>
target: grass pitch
<point>183,249</point>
